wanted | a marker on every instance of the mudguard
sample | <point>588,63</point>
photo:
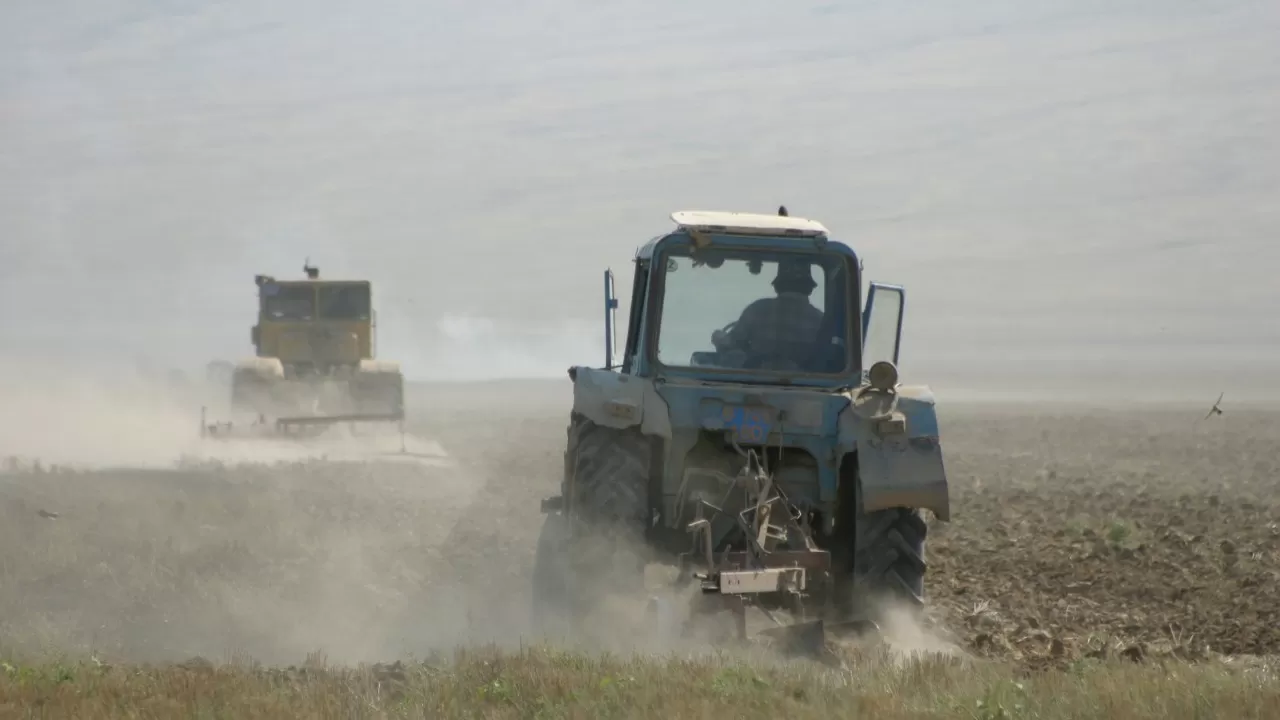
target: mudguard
<point>619,401</point>
<point>379,367</point>
<point>265,367</point>
<point>899,454</point>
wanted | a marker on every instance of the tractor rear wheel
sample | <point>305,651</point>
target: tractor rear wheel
<point>879,555</point>
<point>610,481</point>
<point>888,557</point>
<point>595,547</point>
<point>554,606</point>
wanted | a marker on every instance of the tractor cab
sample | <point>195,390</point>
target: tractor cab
<point>314,324</point>
<point>755,299</point>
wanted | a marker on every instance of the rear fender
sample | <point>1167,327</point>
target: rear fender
<point>899,453</point>
<point>264,367</point>
<point>612,399</point>
<point>379,367</point>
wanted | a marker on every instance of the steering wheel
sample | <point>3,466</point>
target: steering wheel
<point>751,360</point>
<point>720,338</point>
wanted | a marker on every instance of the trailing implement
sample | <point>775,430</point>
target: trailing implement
<point>754,435</point>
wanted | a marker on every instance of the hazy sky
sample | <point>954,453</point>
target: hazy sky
<point>1058,183</point>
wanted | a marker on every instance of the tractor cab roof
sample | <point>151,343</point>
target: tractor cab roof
<point>736,223</point>
<point>263,280</point>
<point>312,278</point>
<point>758,225</point>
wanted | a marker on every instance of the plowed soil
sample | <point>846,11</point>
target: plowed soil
<point>1075,533</point>
<point>1088,534</point>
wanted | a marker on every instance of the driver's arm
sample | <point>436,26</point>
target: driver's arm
<point>741,333</point>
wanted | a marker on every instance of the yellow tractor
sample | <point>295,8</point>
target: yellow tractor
<point>314,363</point>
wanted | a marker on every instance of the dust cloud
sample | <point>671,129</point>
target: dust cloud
<point>907,634</point>
<point>61,413</point>
<point>127,537</point>
<point>77,416</point>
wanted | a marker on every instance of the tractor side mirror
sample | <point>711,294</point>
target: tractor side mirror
<point>882,324</point>
<point>610,319</point>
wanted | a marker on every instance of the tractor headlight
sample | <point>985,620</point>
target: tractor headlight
<point>883,375</point>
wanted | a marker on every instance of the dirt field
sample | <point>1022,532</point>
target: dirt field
<point>1075,533</point>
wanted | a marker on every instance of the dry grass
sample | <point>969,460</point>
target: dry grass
<point>537,683</point>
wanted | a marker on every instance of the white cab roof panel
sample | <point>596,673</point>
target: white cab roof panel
<point>748,223</point>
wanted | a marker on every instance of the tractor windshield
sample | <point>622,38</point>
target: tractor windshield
<point>344,302</point>
<point>756,310</point>
<point>288,302</point>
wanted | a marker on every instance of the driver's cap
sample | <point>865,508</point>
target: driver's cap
<point>794,272</point>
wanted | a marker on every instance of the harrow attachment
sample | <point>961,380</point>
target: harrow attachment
<point>301,427</point>
<point>775,569</point>
<point>304,437</point>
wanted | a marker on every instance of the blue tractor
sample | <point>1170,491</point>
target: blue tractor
<point>754,432</point>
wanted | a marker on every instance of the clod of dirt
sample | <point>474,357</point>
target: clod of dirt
<point>196,664</point>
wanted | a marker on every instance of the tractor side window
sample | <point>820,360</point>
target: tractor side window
<point>751,310</point>
<point>289,302</point>
<point>344,302</point>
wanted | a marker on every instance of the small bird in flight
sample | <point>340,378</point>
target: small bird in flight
<point>1215,410</point>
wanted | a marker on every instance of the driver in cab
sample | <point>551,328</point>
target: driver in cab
<point>776,333</point>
